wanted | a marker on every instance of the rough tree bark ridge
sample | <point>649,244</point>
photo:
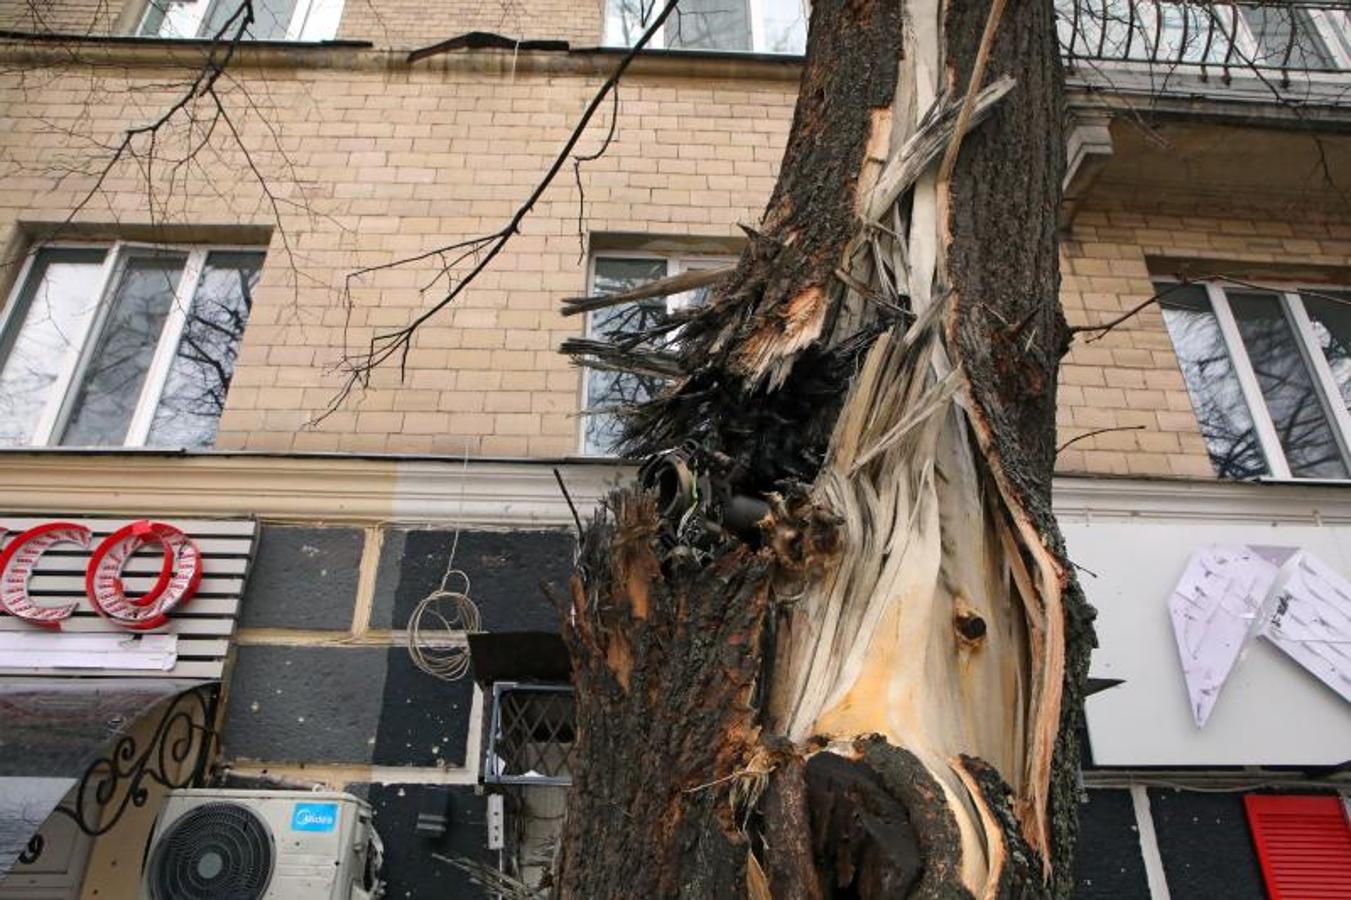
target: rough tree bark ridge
<point>830,645</point>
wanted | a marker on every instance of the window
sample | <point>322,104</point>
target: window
<point>759,26</point>
<point>1269,373</point>
<point>532,734</point>
<point>1192,32</point>
<point>274,20</point>
<point>129,345</point>
<point>605,391</point>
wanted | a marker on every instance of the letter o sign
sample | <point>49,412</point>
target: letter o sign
<point>180,574</point>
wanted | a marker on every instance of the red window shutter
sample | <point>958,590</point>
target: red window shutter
<point>1304,844</point>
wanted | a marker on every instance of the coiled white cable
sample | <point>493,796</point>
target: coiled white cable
<point>440,621</point>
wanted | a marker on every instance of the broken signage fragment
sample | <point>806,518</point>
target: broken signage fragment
<point>1229,594</point>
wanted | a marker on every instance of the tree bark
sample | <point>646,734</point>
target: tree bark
<point>830,645</point>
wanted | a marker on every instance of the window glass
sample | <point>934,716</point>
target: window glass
<point>271,19</point>
<point>1221,411</point>
<point>606,390</point>
<point>785,26</point>
<point>763,26</point>
<point>1193,33</point>
<point>626,20</point>
<point>194,393</point>
<point>709,25</point>
<point>1286,37</point>
<point>114,373</point>
<point>48,321</point>
<point>1330,315</point>
<point>1287,385</point>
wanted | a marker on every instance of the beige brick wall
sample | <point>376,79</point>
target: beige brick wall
<point>1130,378</point>
<point>392,24</point>
<point>373,166</point>
<point>371,160</point>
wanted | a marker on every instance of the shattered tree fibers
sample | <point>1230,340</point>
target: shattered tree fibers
<point>870,691</point>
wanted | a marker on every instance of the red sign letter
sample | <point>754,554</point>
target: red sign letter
<point>17,564</point>
<point>179,576</point>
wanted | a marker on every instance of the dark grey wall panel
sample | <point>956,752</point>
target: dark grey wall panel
<point>304,704</point>
<point>303,578</point>
<point>412,872</point>
<point>1108,865</point>
<point>424,721</point>
<point>1205,844</point>
<point>505,569</point>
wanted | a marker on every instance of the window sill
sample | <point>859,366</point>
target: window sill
<point>1309,482</point>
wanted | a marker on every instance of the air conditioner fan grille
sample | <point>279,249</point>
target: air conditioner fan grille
<point>217,851</point>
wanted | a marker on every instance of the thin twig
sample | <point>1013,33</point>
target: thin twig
<point>1089,434</point>
<point>1106,327</point>
<point>383,347</point>
<point>558,476</point>
<point>577,173</point>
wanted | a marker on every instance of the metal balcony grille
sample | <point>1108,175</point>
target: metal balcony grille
<point>531,734</point>
<point>1287,36</point>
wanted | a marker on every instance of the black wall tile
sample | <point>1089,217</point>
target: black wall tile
<point>505,570</point>
<point>411,870</point>
<point>303,578</point>
<point>1107,864</point>
<point>424,721</point>
<point>304,704</point>
<point>1206,845</point>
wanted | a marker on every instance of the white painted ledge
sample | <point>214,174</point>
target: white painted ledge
<point>516,493</point>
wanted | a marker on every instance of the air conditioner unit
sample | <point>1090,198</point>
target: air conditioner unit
<point>263,845</point>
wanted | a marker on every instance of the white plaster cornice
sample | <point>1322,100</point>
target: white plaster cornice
<point>515,493</point>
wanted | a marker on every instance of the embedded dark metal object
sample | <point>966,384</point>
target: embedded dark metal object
<point>743,514</point>
<point>181,743</point>
<point>670,477</point>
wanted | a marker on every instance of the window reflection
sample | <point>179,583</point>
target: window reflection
<point>1330,316</point>
<point>607,391</point>
<point>48,319</point>
<point>189,410</point>
<point>1301,423</point>
<point>110,385</point>
<point>1221,411</point>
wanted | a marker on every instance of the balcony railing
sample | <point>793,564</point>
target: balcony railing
<point>1261,37</point>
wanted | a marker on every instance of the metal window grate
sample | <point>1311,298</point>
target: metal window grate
<point>532,734</point>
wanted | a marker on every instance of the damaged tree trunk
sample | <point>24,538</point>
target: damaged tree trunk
<point>830,646</point>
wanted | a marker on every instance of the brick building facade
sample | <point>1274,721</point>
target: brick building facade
<point>341,150</point>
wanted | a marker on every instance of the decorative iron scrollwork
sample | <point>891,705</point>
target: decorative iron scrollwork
<point>176,756</point>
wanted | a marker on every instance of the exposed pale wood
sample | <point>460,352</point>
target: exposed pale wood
<point>689,280</point>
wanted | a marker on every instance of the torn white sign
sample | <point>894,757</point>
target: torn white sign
<point>1230,593</point>
<point>1216,607</point>
<point>1311,621</point>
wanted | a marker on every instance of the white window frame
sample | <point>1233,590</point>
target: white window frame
<point>56,413</point>
<point>1329,394</point>
<point>676,264</point>
<point>755,11</point>
<point>312,20</point>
